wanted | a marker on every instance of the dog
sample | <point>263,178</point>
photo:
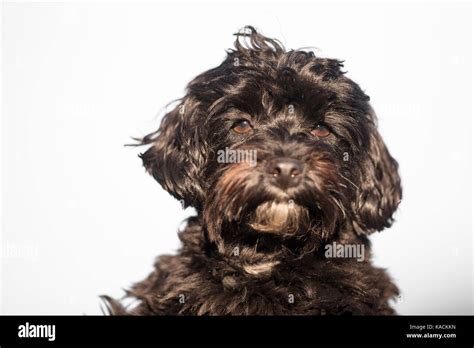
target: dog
<point>278,152</point>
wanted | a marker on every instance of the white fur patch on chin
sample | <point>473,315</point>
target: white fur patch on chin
<point>260,268</point>
<point>278,217</point>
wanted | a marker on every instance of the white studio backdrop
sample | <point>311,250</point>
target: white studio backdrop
<point>80,217</point>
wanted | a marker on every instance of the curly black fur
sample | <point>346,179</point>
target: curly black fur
<point>257,244</point>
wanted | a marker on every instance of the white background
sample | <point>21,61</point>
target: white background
<point>81,218</point>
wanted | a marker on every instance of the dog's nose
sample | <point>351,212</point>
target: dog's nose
<point>286,171</point>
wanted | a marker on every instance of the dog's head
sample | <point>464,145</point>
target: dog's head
<point>276,144</point>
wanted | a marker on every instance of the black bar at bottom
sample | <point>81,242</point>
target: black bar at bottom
<point>412,330</point>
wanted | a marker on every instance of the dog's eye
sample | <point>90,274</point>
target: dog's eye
<point>242,126</point>
<point>321,131</point>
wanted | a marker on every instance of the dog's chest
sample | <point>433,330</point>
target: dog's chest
<point>278,293</point>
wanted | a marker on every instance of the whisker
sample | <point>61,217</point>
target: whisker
<point>342,176</point>
<point>339,204</point>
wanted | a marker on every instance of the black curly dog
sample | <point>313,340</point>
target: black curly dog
<point>278,152</point>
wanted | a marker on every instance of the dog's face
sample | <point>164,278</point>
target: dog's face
<point>275,144</point>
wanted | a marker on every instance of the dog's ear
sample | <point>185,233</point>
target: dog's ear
<point>175,158</point>
<point>380,190</point>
